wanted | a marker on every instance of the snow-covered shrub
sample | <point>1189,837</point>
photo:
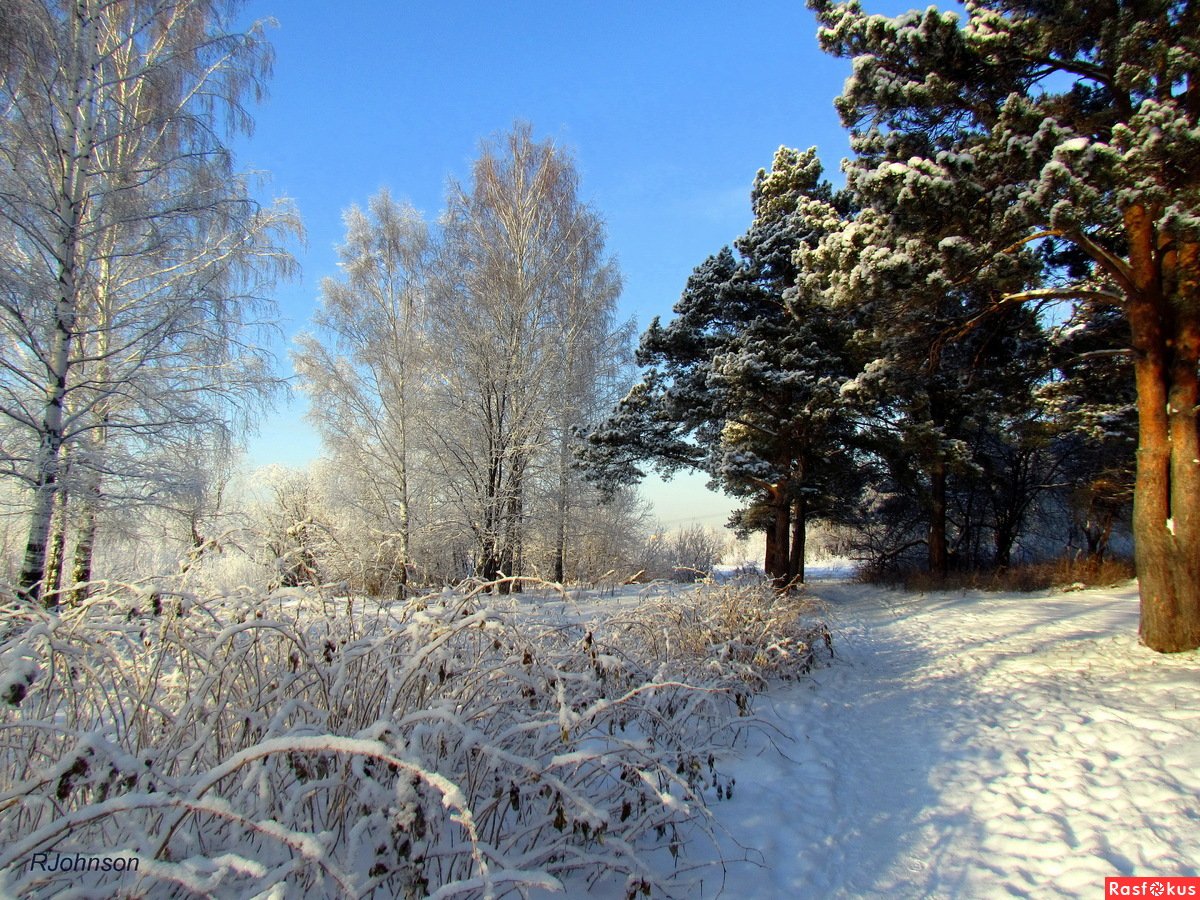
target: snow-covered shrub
<point>687,555</point>
<point>826,540</point>
<point>746,630</point>
<point>304,745</point>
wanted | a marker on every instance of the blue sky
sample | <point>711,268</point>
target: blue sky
<point>668,108</point>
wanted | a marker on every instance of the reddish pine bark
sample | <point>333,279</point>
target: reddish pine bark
<point>1164,316</point>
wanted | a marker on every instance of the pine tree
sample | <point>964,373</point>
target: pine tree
<point>745,382</point>
<point>1082,119</point>
<point>1093,405</point>
<point>948,367</point>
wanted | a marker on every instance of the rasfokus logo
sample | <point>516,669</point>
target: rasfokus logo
<point>1147,886</point>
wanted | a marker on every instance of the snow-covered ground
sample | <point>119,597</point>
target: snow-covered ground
<point>959,745</point>
<point>972,745</point>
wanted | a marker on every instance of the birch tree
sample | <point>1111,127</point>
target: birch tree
<point>523,280</point>
<point>144,263</point>
<point>365,371</point>
<point>594,356</point>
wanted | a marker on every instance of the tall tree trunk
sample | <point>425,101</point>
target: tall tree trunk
<point>96,447</point>
<point>403,514</point>
<point>489,567</point>
<point>75,150</point>
<point>1166,495</point>
<point>85,546</point>
<point>489,563</point>
<point>560,547</point>
<point>401,455</point>
<point>402,536</point>
<point>799,534</point>
<point>938,556</point>
<point>511,550</point>
<point>776,559</point>
<point>560,538</point>
<point>56,558</point>
<point>1097,534</point>
<point>1006,536</point>
<point>517,524</point>
<point>49,456</point>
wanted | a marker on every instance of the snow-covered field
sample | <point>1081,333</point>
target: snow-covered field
<point>959,745</point>
<point>973,746</point>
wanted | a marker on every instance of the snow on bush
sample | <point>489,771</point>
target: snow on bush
<point>746,631</point>
<point>295,745</point>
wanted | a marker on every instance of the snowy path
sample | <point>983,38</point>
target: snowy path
<point>978,746</point>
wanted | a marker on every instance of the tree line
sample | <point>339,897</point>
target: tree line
<point>883,355</point>
<point>453,366</point>
<point>450,369</point>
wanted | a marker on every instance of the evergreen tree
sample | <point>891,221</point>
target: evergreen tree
<point>745,382</point>
<point>1082,119</point>
<point>949,368</point>
<point>1093,403</point>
